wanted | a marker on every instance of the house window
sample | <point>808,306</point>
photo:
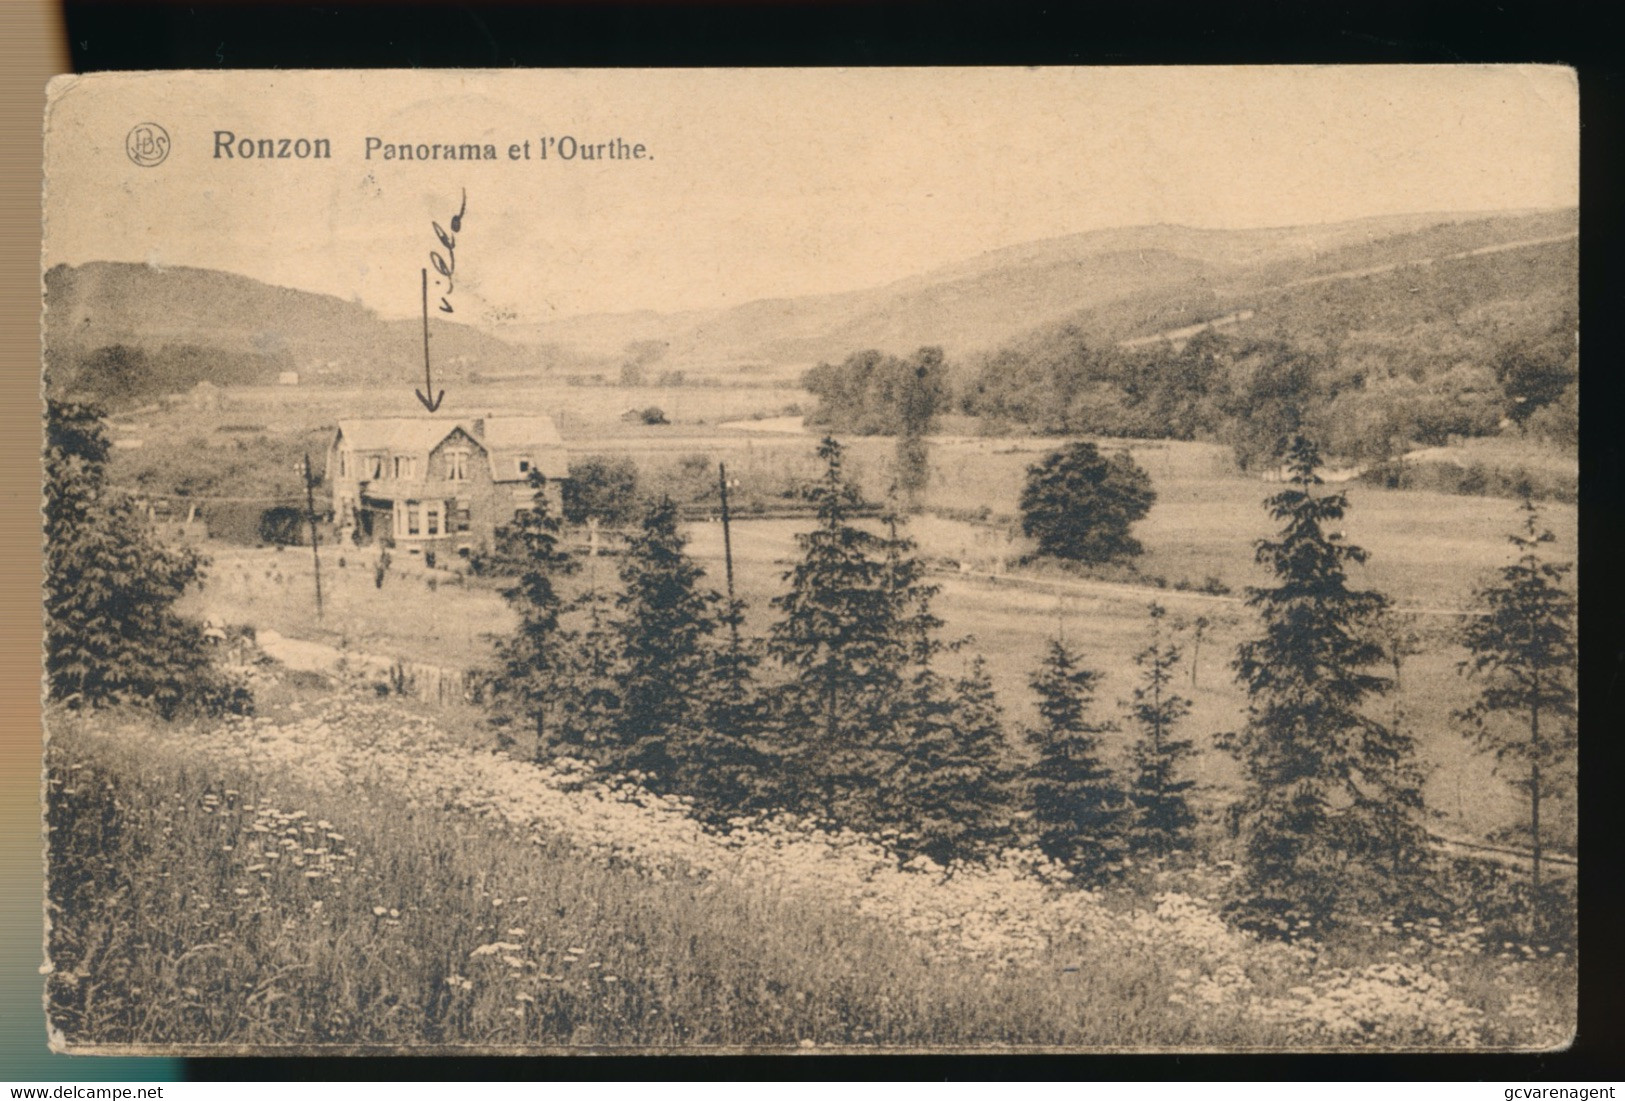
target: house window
<point>412,518</point>
<point>344,464</point>
<point>524,466</point>
<point>431,518</point>
<point>375,467</point>
<point>457,465</point>
<point>462,517</point>
<point>405,466</point>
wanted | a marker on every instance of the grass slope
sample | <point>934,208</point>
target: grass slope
<point>342,874</point>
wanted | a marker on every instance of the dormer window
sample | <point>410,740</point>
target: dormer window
<point>457,465</point>
<point>375,467</point>
<point>405,466</point>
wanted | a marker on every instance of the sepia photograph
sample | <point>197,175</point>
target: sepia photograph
<point>811,561</point>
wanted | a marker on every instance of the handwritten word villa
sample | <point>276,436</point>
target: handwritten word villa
<point>229,146</point>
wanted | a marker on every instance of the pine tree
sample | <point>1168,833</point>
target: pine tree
<point>111,631</point>
<point>956,784</point>
<point>590,680</point>
<point>839,637</point>
<point>666,627</point>
<point>1162,820</point>
<point>1397,635</point>
<point>950,787</point>
<point>1078,804</point>
<point>738,771</point>
<point>735,769</point>
<point>534,663</point>
<point>914,625</point>
<point>1331,813</point>
<point>1523,655</point>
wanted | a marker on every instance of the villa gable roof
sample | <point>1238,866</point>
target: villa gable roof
<point>505,439</point>
<point>397,435</point>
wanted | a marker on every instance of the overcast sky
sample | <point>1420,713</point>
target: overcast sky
<point>770,183</point>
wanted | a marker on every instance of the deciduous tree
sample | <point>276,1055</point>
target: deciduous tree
<point>922,392</point>
<point>1079,504</point>
<point>602,488</point>
<point>111,631</point>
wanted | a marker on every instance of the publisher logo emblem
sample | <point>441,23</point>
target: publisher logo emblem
<point>147,144</point>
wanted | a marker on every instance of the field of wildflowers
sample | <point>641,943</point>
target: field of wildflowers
<point>343,872</point>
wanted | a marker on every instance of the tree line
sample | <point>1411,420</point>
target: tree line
<point>854,710</point>
<point>1253,393</point>
<point>851,710</point>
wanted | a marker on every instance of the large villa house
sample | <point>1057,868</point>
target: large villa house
<point>441,484</point>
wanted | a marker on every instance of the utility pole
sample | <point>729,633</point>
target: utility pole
<point>728,552</point>
<point>1201,625</point>
<point>315,552</point>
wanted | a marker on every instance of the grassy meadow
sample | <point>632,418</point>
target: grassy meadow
<point>348,874</point>
<point>1427,551</point>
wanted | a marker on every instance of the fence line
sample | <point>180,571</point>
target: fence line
<point>1501,854</point>
<point>1109,588</point>
<point>437,684</point>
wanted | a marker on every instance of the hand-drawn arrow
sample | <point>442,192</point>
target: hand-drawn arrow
<point>428,379</point>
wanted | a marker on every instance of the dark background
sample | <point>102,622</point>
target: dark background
<point>614,33</point>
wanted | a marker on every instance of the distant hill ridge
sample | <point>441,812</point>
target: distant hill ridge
<point>1113,284</point>
<point>984,301</point>
<point>175,320</point>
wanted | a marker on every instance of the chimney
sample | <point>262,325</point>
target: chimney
<point>479,428</point>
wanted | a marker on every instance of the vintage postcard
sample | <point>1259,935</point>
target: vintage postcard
<point>811,560</point>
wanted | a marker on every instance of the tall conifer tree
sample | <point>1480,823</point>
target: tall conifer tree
<point>1162,818</point>
<point>1522,655</point>
<point>839,637</point>
<point>666,626</point>
<point>535,661</point>
<point>956,784</point>
<point>1078,804</point>
<point>591,681</point>
<point>950,787</point>
<point>1331,815</point>
<point>735,769</point>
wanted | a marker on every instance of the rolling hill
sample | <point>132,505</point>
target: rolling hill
<point>180,326</point>
<point>1116,284</point>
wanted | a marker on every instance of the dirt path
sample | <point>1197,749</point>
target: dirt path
<point>1183,333</point>
<point>1379,269</point>
<point>752,544</point>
